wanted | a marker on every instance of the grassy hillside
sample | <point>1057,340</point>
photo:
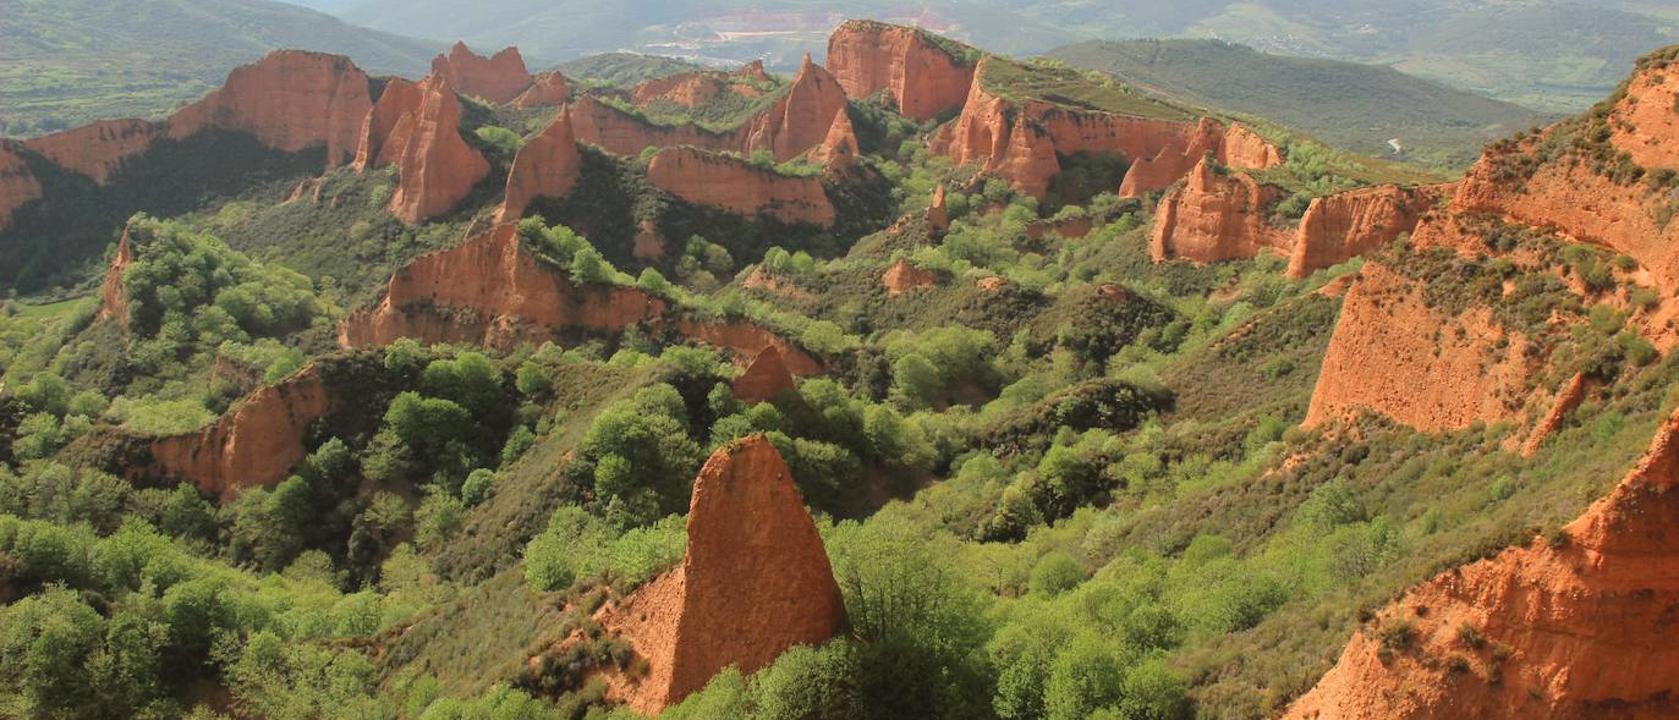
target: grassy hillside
<point>66,62</point>
<point>623,69</point>
<point>1552,54</point>
<point>1353,106</point>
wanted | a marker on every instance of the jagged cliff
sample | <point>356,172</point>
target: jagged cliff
<point>98,150</point>
<point>546,166</point>
<point>754,582</point>
<point>549,88</point>
<point>1020,140</point>
<point>1340,227</point>
<point>923,77</point>
<point>253,445</point>
<point>18,185</point>
<point>417,128</point>
<point>1216,215</point>
<point>290,100</point>
<point>1579,625</point>
<point>739,187</point>
<point>500,79</point>
<point>765,379</point>
<point>693,89</point>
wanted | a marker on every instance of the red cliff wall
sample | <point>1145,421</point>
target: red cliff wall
<point>97,150</point>
<point>254,445</point>
<point>1216,215</point>
<point>437,168</point>
<point>500,79</point>
<point>765,379</point>
<point>1580,629</point>
<point>18,186</point>
<point>1339,227</point>
<point>754,582</point>
<point>923,79</point>
<point>1393,355</point>
<point>739,187</point>
<point>390,118</point>
<point>547,166</point>
<point>113,294</point>
<point>290,100</point>
<point>549,88</point>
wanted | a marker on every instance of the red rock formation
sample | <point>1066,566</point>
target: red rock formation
<point>254,445</point>
<point>796,122</point>
<point>500,79</point>
<point>739,187</point>
<point>922,78</point>
<point>437,168</point>
<point>1644,124</point>
<point>1392,354</point>
<point>549,88</point>
<point>291,101</point>
<point>97,150</point>
<point>938,213</point>
<point>1582,628</point>
<point>1339,227</point>
<point>1217,215</point>
<point>686,89</point>
<point>547,166</point>
<point>903,277</point>
<point>1568,399</point>
<point>490,290</point>
<point>754,72</point>
<point>765,379</point>
<point>18,186</point>
<point>747,340</point>
<point>113,294</point>
<point>838,150</point>
<point>754,582</point>
<point>1020,141</point>
<point>391,118</point>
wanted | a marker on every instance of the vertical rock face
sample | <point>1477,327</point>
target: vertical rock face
<point>18,186</point>
<point>491,291</point>
<point>1394,355</point>
<point>97,150</point>
<point>620,133</point>
<point>500,79</point>
<point>253,445</point>
<point>1216,215</point>
<point>547,166</point>
<point>397,104</point>
<point>113,294</point>
<point>1576,629</point>
<point>1232,146</point>
<point>739,187</point>
<point>549,88</point>
<point>922,78</point>
<point>290,100</point>
<point>754,582</point>
<point>903,277</point>
<point>1645,123</point>
<point>747,340</point>
<point>437,168</point>
<point>1340,227</point>
<point>765,379</point>
<point>686,89</point>
<point>938,213</point>
<point>839,149</point>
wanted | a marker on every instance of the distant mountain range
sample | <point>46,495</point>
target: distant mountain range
<point>1552,54</point>
<point>1351,105</point>
<point>65,62</point>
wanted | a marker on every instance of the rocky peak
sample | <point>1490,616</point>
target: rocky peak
<point>381,142</point>
<point>499,79</point>
<point>754,71</point>
<point>547,166</point>
<point>923,79</point>
<point>755,581</point>
<point>838,150</point>
<point>549,88</point>
<point>291,100</point>
<point>437,168</point>
<point>735,185</point>
<point>113,294</point>
<point>765,379</point>
<point>1217,214</point>
<point>1575,625</point>
<point>802,118</point>
<point>903,277</point>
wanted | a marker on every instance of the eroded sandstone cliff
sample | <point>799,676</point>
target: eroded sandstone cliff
<point>500,79</point>
<point>766,378</point>
<point>436,168</point>
<point>755,581</point>
<point>97,150</point>
<point>923,77</point>
<point>255,444</point>
<point>291,100</point>
<point>546,166</point>
<point>18,186</point>
<point>1578,625</point>
<point>1339,227</point>
<point>740,187</point>
<point>1215,215</point>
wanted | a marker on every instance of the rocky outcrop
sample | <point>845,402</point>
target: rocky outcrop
<point>385,130</point>
<point>1216,215</point>
<point>1393,355</point>
<point>1581,626</point>
<point>547,166</point>
<point>18,186</point>
<point>254,445</point>
<point>436,167</point>
<point>765,379</point>
<point>98,150</point>
<point>290,101</point>
<point>921,76</point>
<point>739,187</point>
<point>839,149</point>
<point>546,89</point>
<point>1340,227</point>
<point>1567,401</point>
<point>796,122</point>
<point>491,291</point>
<point>938,212</point>
<point>686,89</point>
<point>500,79</point>
<point>1645,123</point>
<point>903,277</point>
<point>113,294</point>
<point>747,340</point>
<point>1020,141</point>
<point>755,581</point>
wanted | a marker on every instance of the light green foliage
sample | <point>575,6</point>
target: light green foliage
<point>1056,573</point>
<point>185,286</point>
<point>644,455</point>
<point>576,546</point>
<point>503,143</point>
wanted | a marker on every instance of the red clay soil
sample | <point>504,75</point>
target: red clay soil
<point>500,79</point>
<point>436,167</point>
<point>254,445</point>
<point>737,186</point>
<point>839,149</point>
<point>1339,227</point>
<point>18,186</point>
<point>1580,628</point>
<point>291,101</point>
<point>923,79</point>
<point>765,379</point>
<point>1216,215</point>
<point>547,166</point>
<point>547,89</point>
<point>903,277</point>
<point>754,582</point>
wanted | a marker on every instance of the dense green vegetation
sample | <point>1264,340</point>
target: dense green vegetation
<point>625,70</point>
<point>68,63</point>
